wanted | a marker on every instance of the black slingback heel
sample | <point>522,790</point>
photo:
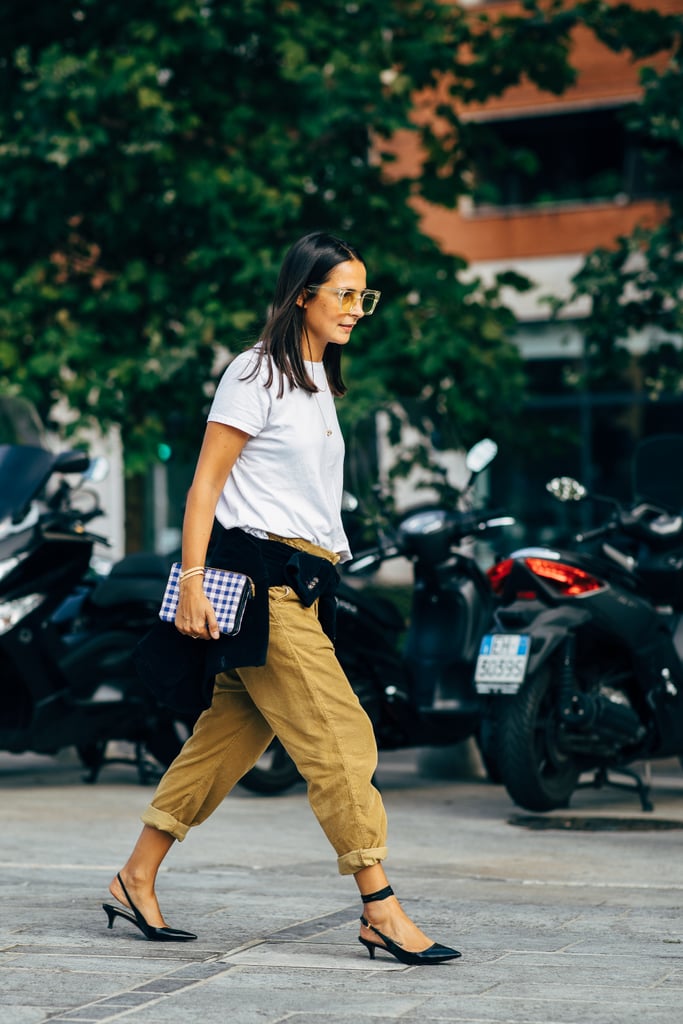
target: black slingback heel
<point>136,918</point>
<point>434,954</point>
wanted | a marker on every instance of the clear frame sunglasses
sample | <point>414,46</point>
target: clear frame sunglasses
<point>349,298</point>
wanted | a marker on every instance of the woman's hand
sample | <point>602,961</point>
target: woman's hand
<point>195,616</point>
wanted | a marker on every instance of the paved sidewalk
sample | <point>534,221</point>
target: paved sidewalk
<point>557,926</point>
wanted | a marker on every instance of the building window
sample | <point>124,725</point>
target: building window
<point>585,156</point>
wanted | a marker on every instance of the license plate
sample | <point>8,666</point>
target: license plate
<point>502,662</point>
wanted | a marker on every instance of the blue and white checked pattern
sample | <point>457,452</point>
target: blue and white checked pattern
<point>227,591</point>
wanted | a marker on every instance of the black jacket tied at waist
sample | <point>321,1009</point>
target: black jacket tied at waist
<point>180,671</point>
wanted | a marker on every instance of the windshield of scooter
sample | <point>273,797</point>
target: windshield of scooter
<point>657,472</point>
<point>24,471</point>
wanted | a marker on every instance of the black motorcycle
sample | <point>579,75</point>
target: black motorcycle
<point>582,672</point>
<point>67,634</point>
<point>414,682</point>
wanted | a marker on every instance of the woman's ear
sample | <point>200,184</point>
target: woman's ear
<point>301,300</point>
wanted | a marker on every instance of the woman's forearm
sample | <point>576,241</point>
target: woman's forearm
<point>198,523</point>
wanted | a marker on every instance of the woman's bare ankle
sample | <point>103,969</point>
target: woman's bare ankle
<point>389,917</point>
<point>127,886</point>
<point>140,894</point>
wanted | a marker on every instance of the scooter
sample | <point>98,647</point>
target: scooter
<point>582,671</point>
<point>415,683</point>
<point>66,633</point>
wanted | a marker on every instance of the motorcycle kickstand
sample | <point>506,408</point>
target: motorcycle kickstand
<point>602,778</point>
<point>147,774</point>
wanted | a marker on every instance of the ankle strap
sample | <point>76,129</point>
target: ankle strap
<point>381,894</point>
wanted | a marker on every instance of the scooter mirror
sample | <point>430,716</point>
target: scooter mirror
<point>98,470</point>
<point>364,564</point>
<point>565,488</point>
<point>481,454</point>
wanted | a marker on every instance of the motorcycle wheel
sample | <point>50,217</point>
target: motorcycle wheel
<point>537,774</point>
<point>273,773</point>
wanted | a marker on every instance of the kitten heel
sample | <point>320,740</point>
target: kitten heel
<point>149,931</point>
<point>434,954</point>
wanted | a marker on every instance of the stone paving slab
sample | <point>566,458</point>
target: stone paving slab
<point>291,954</point>
<point>556,927</point>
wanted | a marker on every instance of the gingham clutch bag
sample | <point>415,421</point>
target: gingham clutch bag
<point>227,591</point>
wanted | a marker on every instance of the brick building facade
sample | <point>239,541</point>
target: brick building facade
<point>588,187</point>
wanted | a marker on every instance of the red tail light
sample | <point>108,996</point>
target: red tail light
<point>498,573</point>
<point>567,579</point>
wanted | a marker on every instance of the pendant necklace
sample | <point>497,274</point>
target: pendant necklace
<point>328,430</point>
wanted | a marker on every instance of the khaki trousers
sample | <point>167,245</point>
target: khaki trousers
<point>302,696</point>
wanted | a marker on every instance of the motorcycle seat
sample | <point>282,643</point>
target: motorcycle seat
<point>142,564</point>
<point>140,577</point>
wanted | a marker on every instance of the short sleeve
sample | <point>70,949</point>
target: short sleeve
<point>242,400</point>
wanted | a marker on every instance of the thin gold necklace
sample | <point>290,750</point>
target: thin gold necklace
<point>328,429</point>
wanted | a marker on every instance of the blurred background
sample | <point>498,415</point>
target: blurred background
<point>511,172</point>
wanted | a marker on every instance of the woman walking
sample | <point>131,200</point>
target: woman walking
<point>266,499</point>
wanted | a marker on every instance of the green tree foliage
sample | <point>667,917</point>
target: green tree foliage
<point>157,157</point>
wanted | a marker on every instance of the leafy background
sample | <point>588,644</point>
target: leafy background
<point>157,157</point>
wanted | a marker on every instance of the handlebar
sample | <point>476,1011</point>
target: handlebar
<point>369,560</point>
<point>448,531</point>
<point>643,522</point>
<point>599,531</point>
<point>464,524</point>
<point>74,521</point>
<point>495,520</point>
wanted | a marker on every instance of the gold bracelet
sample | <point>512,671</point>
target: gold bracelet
<point>198,570</point>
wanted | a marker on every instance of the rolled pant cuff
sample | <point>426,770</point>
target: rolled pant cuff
<point>350,863</point>
<point>165,822</point>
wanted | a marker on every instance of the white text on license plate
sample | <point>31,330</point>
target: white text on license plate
<point>502,662</point>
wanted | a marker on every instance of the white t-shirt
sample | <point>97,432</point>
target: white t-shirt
<point>288,478</point>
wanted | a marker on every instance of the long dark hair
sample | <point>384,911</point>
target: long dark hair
<point>310,261</point>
